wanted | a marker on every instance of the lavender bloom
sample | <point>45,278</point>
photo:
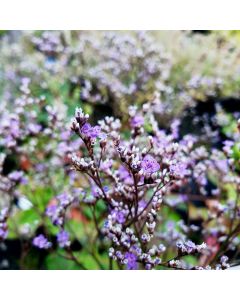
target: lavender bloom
<point>56,214</point>
<point>86,128</point>
<point>3,214</point>
<point>63,239</point>
<point>131,261</point>
<point>125,175</point>
<point>96,192</point>
<point>106,165</point>
<point>65,199</point>
<point>228,146</point>
<point>34,128</point>
<point>65,135</point>
<point>51,210</point>
<point>179,170</point>
<point>3,232</point>
<point>118,216</point>
<point>91,132</point>
<point>142,205</point>
<point>137,121</point>
<point>189,247</point>
<point>41,242</point>
<point>224,259</point>
<point>149,164</point>
<point>16,176</point>
<point>222,165</point>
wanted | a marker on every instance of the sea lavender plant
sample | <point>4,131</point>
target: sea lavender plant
<point>133,176</point>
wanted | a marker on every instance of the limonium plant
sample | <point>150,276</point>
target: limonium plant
<point>134,177</point>
<point>144,176</point>
<point>127,178</point>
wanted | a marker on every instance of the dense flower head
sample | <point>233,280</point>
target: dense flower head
<point>131,261</point>
<point>149,164</point>
<point>131,178</point>
<point>91,132</point>
<point>179,170</point>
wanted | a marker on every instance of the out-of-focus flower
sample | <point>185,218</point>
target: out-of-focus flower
<point>137,121</point>
<point>131,261</point>
<point>41,242</point>
<point>91,132</point>
<point>149,164</point>
<point>63,239</point>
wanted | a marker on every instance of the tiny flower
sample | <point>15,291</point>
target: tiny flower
<point>34,128</point>
<point>51,210</point>
<point>179,170</point>
<point>65,199</point>
<point>41,242</point>
<point>118,216</point>
<point>91,132</point>
<point>3,233</point>
<point>96,192</point>
<point>63,239</point>
<point>16,176</point>
<point>125,175</point>
<point>149,164</point>
<point>131,261</point>
<point>137,121</point>
<point>86,128</point>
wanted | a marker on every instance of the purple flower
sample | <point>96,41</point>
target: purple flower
<point>96,192</point>
<point>187,247</point>
<point>16,176</point>
<point>190,246</point>
<point>95,132</point>
<point>222,165</point>
<point>106,165</point>
<point>65,199</point>
<point>41,242</point>
<point>179,170</point>
<point>118,216</point>
<point>65,135</point>
<point>142,205</point>
<point>3,214</point>
<point>125,175</point>
<point>15,128</point>
<point>86,128</point>
<point>149,164</point>
<point>3,233</point>
<point>131,261</point>
<point>106,188</point>
<point>228,146</point>
<point>91,132</point>
<point>34,128</point>
<point>63,239</point>
<point>51,210</point>
<point>183,197</point>
<point>137,121</point>
<point>224,259</point>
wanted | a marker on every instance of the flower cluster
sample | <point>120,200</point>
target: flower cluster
<point>41,242</point>
<point>129,178</point>
<point>144,172</point>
